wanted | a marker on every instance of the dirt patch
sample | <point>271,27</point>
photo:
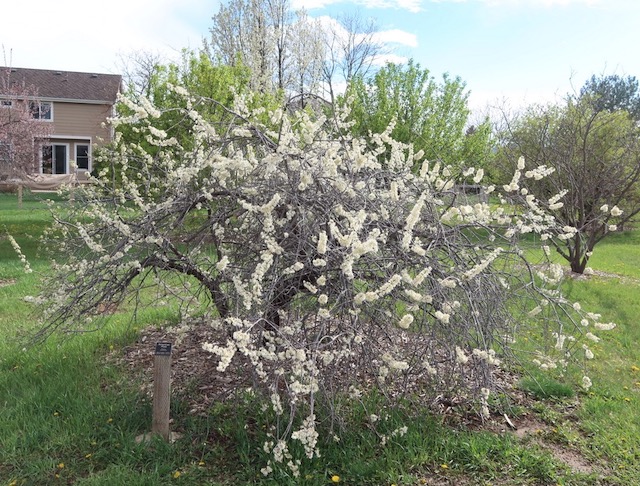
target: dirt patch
<point>5,282</point>
<point>576,461</point>
<point>193,370</point>
<point>534,429</point>
<point>597,273</point>
<point>196,380</point>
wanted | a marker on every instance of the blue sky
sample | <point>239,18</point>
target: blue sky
<point>521,51</point>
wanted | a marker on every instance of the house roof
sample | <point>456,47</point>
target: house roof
<point>67,85</point>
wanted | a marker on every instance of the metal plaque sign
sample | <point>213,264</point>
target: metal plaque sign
<point>163,349</point>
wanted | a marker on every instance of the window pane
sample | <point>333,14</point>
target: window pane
<point>82,157</point>
<point>5,155</point>
<point>47,160</point>
<point>34,108</point>
<point>45,111</point>
<point>40,111</point>
<point>61,159</point>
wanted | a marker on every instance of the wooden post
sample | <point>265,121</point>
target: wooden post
<point>161,390</point>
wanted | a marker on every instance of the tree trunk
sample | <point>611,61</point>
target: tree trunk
<point>578,265</point>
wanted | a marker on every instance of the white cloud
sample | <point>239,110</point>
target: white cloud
<point>409,5</point>
<point>383,37</point>
<point>396,36</point>
<point>495,102</point>
<point>412,6</point>
<point>312,4</point>
<point>87,36</point>
<point>383,59</point>
<point>528,3</point>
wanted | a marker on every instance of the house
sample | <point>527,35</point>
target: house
<point>76,105</point>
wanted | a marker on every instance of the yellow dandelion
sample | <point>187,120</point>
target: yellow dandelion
<point>627,399</point>
<point>444,466</point>
<point>61,465</point>
<point>335,478</point>
<point>635,368</point>
<point>87,456</point>
<point>109,420</point>
<point>55,414</point>
<point>177,474</point>
<point>57,476</point>
<point>13,483</point>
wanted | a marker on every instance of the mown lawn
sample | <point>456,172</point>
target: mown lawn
<point>69,415</point>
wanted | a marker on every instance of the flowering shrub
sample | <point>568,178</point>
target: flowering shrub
<point>331,266</point>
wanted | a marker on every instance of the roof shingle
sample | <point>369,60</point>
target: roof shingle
<point>67,85</point>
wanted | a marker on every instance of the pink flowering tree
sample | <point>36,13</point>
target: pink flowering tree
<point>21,135</point>
<point>326,265</point>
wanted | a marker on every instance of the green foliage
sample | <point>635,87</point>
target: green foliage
<point>543,386</point>
<point>215,86</point>
<point>613,93</point>
<point>433,116</point>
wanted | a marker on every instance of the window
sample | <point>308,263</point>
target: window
<point>5,155</point>
<point>42,110</point>
<point>54,159</point>
<point>82,156</point>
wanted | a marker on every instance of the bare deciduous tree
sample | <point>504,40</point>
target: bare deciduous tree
<point>351,49</point>
<point>139,70</point>
<point>255,33</point>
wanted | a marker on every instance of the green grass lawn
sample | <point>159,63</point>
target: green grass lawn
<point>68,415</point>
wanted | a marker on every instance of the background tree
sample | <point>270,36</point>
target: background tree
<point>152,82</point>
<point>197,73</point>
<point>613,93</point>
<point>351,51</point>
<point>430,115</point>
<point>244,32</point>
<point>307,54</point>
<point>21,135</point>
<point>593,160</point>
<point>139,69</point>
<point>290,52</point>
<point>281,49</point>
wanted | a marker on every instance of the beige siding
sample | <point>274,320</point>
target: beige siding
<point>81,120</point>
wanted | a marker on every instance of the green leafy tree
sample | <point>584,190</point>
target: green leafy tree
<point>152,82</point>
<point>613,93</point>
<point>433,116</point>
<point>198,74</point>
